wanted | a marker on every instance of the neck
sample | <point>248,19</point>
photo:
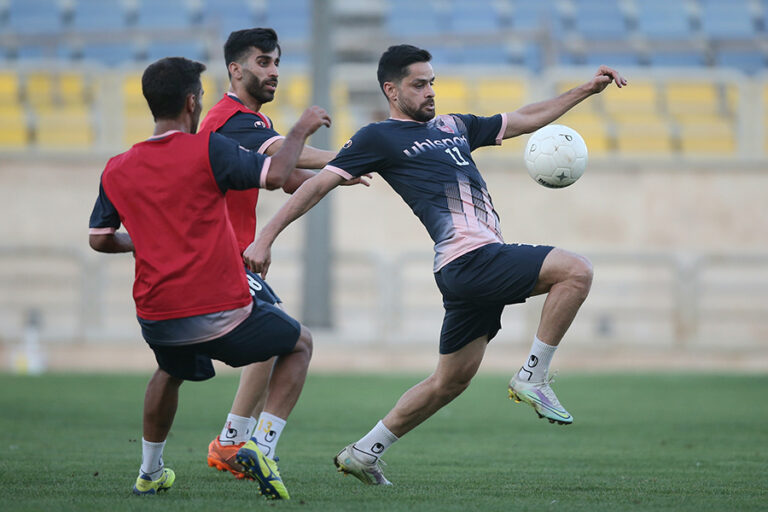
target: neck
<point>396,113</point>
<point>167,125</point>
<point>246,98</point>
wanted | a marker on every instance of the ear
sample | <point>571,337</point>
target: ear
<point>390,90</point>
<point>235,70</point>
<point>191,102</point>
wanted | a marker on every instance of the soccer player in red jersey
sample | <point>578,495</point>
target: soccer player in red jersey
<point>426,158</point>
<point>191,292</point>
<point>262,404</point>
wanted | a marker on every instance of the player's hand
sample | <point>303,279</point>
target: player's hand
<point>362,180</point>
<point>604,77</point>
<point>258,258</point>
<point>312,119</point>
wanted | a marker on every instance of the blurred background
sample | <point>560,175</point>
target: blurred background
<point>672,209</point>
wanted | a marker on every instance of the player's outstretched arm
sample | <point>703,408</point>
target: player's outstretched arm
<point>531,117</point>
<point>111,243</point>
<point>258,255</point>
<point>285,160</point>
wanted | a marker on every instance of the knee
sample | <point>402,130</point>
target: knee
<point>449,387</point>
<point>580,273</point>
<point>304,344</point>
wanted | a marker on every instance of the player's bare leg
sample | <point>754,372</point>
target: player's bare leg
<point>453,374</point>
<point>566,278</point>
<point>160,403</point>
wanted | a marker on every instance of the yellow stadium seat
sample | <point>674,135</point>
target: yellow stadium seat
<point>700,97</point>
<point>72,89</point>
<point>13,127</point>
<point>640,97</point>
<point>296,93</point>
<point>495,95</point>
<point>40,89</point>
<point>593,128</point>
<point>64,128</point>
<point>9,88</point>
<point>133,98</point>
<point>137,128</point>
<point>451,96</point>
<point>707,136</point>
<point>644,138</point>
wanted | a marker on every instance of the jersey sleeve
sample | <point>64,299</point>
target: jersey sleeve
<point>482,131</point>
<point>235,167</point>
<point>250,131</point>
<point>362,154</point>
<point>104,217</point>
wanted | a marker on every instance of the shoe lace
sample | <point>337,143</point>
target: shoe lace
<point>548,391</point>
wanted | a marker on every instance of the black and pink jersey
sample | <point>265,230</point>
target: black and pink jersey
<point>431,167</point>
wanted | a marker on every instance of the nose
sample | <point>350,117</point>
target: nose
<point>430,91</point>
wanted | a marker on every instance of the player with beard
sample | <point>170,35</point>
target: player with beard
<point>253,59</point>
<point>427,160</point>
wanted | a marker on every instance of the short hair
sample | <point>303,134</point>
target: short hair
<point>394,62</point>
<point>240,42</point>
<point>167,82</point>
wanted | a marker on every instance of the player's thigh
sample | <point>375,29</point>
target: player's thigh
<point>558,266</point>
<point>184,362</point>
<point>268,331</point>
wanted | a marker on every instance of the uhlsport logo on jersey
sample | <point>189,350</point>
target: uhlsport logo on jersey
<point>428,144</point>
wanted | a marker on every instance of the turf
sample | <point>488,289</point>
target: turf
<point>639,442</point>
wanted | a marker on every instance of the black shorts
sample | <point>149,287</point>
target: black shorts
<point>260,289</point>
<point>268,331</point>
<point>476,286</point>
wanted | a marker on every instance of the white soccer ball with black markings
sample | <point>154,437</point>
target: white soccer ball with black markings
<point>555,156</point>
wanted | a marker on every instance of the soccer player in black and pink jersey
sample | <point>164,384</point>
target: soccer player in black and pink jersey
<point>191,292</point>
<point>264,400</point>
<point>427,160</point>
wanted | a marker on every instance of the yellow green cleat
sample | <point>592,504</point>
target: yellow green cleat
<point>145,485</point>
<point>263,470</point>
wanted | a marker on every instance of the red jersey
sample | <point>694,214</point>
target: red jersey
<point>172,204</point>
<point>241,204</point>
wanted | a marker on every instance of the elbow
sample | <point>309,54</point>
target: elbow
<point>99,243</point>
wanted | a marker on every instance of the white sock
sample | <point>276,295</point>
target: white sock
<point>374,443</point>
<point>536,368</point>
<point>151,458</point>
<point>236,430</point>
<point>267,433</point>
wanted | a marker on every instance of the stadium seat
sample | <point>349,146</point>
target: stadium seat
<point>98,15</point>
<point>40,89</point>
<point>645,137</point>
<point>749,61</point>
<point>14,133</point>
<point>230,15</point>
<point>168,14</point>
<point>596,19</point>
<point>290,18</point>
<point>663,19</point>
<point>408,18</point>
<point>34,16</point>
<point>478,17</point>
<point>707,135</point>
<point>691,97</point>
<point>72,88</point>
<point>133,98</point>
<point>67,128</point>
<point>491,96</point>
<point>451,95</point>
<point>108,54</point>
<point>640,97</point>
<point>731,19</point>
<point>191,49</point>
<point>691,57</point>
<point>9,88</point>
<point>594,129</point>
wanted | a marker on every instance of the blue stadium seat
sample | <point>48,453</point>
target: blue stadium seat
<point>527,15</point>
<point>749,61</point>
<point>109,54</point>
<point>194,50</point>
<point>98,15</point>
<point>474,17</point>
<point>684,58</point>
<point>664,19</point>
<point>231,15</point>
<point>409,18</point>
<point>595,19</point>
<point>290,18</point>
<point>731,19</point>
<point>171,14</point>
<point>34,16</point>
<point>617,59</point>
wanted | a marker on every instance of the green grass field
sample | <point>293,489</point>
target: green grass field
<point>639,442</point>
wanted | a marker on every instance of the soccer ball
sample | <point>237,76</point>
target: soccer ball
<point>555,156</point>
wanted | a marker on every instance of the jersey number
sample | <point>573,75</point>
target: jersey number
<point>457,156</point>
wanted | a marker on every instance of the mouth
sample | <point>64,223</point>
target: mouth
<point>270,86</point>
